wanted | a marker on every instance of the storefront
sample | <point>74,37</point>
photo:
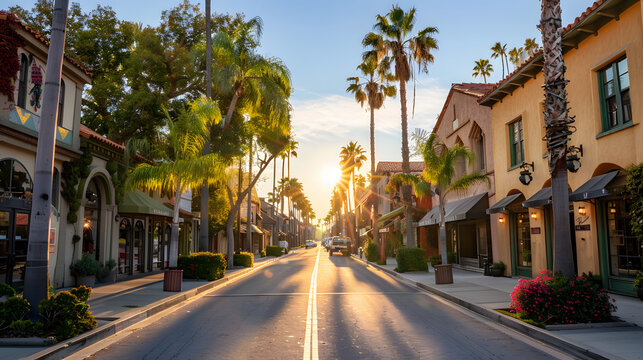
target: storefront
<point>513,224</point>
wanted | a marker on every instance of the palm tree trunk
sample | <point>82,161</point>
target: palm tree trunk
<point>174,237</point>
<point>556,128</point>
<point>507,64</point>
<point>275,233</point>
<point>36,275</point>
<point>238,212</point>
<point>443,233</point>
<point>233,104</point>
<point>249,212</point>
<point>205,191</point>
<point>406,166</point>
<point>502,58</point>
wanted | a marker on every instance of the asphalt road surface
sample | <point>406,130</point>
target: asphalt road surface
<point>344,312</point>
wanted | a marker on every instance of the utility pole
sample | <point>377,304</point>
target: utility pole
<point>36,269</point>
<point>204,239</point>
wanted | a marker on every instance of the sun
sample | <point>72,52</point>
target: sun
<point>332,174</point>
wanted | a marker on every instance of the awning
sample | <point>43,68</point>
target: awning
<point>137,202</point>
<point>593,188</point>
<point>472,207</point>
<point>501,206</point>
<point>255,229</point>
<point>541,198</point>
<point>392,214</point>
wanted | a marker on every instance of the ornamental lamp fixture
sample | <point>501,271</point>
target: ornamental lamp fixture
<point>525,175</point>
<point>582,211</point>
<point>501,219</point>
<point>573,158</point>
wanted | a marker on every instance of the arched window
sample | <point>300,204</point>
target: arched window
<point>23,76</point>
<point>55,189</point>
<point>477,146</point>
<point>15,179</point>
<point>61,102</point>
<point>460,163</point>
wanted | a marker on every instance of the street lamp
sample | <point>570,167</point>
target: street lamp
<point>525,175</point>
<point>573,160</point>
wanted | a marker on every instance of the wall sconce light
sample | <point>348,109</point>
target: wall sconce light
<point>91,196</point>
<point>501,219</point>
<point>525,175</point>
<point>582,211</point>
<point>573,158</point>
<point>534,215</point>
<point>613,210</point>
<point>87,224</point>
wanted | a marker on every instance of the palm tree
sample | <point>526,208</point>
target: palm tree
<point>556,133</point>
<point>373,89</point>
<point>483,68</point>
<point>205,190</point>
<point>531,46</point>
<point>351,158</point>
<point>409,53</point>
<point>500,50</point>
<point>36,276</point>
<point>185,165</point>
<point>514,56</point>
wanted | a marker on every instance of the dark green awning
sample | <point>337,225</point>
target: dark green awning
<point>472,207</point>
<point>392,214</point>
<point>541,198</point>
<point>137,202</point>
<point>501,206</point>
<point>593,188</point>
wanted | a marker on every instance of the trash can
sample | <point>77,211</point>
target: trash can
<point>172,280</point>
<point>443,274</point>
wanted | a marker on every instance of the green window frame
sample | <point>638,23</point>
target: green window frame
<point>516,143</point>
<point>614,92</point>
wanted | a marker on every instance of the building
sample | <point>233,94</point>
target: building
<point>464,122</point>
<point>602,50</point>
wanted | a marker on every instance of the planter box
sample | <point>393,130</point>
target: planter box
<point>89,280</point>
<point>172,280</point>
<point>496,272</point>
<point>443,274</point>
<point>110,278</point>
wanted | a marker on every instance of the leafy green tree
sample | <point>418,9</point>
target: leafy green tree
<point>514,56</point>
<point>409,52</point>
<point>531,46</point>
<point>482,69</point>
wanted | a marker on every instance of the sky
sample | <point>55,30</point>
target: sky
<point>320,42</point>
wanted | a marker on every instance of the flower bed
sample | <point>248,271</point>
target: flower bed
<point>203,265</point>
<point>554,299</point>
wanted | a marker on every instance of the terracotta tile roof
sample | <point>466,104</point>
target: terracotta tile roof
<point>396,166</point>
<point>475,89</point>
<point>88,133</point>
<point>5,15</point>
<point>583,16</point>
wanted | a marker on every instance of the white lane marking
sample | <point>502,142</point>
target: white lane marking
<point>311,351</point>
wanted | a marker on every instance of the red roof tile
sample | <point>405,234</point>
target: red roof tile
<point>475,89</point>
<point>88,133</point>
<point>396,166</point>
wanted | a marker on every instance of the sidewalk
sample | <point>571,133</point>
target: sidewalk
<point>122,304</point>
<point>483,294</point>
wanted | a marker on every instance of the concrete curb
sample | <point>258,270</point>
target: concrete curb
<point>69,346</point>
<point>527,329</point>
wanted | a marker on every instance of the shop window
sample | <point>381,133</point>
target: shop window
<point>516,143</point>
<point>523,239</point>
<point>23,76</point>
<point>614,90</point>
<point>625,249</point>
<point>15,180</point>
<point>61,102</point>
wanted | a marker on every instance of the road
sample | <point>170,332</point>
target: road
<point>344,312</point>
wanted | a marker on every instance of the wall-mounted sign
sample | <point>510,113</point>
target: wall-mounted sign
<point>582,227</point>
<point>384,230</point>
<point>535,230</point>
<point>52,240</point>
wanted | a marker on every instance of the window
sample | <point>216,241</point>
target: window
<point>15,180</point>
<point>61,102</point>
<point>476,138</point>
<point>614,89</point>
<point>516,146</point>
<point>460,163</point>
<point>22,81</point>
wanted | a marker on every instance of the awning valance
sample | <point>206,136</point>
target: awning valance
<point>501,206</point>
<point>541,198</point>
<point>593,188</point>
<point>254,228</point>
<point>392,214</point>
<point>137,202</point>
<point>472,207</point>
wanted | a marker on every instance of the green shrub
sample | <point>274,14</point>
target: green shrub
<point>82,293</point>
<point>273,250</point>
<point>14,309</point>
<point>86,266</point>
<point>498,265</point>
<point>638,282</point>
<point>243,259</point>
<point>411,259</point>
<point>555,299</point>
<point>25,328</point>
<point>435,260</point>
<point>65,315</point>
<point>262,253</point>
<point>372,251</point>
<point>203,265</point>
<point>7,290</point>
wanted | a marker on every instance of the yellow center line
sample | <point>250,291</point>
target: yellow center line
<point>310,342</point>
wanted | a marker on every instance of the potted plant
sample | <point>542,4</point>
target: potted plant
<point>107,272</point>
<point>638,285</point>
<point>497,269</point>
<point>85,270</point>
<point>526,257</point>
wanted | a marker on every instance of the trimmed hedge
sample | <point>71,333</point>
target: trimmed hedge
<point>411,259</point>
<point>66,314</point>
<point>203,265</point>
<point>273,251</point>
<point>243,259</point>
<point>372,251</point>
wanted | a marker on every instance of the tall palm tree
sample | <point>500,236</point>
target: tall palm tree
<point>515,55</point>
<point>204,238</point>
<point>531,46</point>
<point>185,165</point>
<point>482,68</point>
<point>556,132</point>
<point>372,88</point>
<point>36,275</point>
<point>410,53</point>
<point>352,156</point>
<point>500,51</point>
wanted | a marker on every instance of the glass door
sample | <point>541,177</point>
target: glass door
<point>5,230</point>
<point>138,247</point>
<point>521,243</point>
<point>21,237</point>
<point>14,236</point>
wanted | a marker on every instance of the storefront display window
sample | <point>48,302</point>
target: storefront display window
<point>625,249</point>
<point>523,239</point>
<point>124,244</point>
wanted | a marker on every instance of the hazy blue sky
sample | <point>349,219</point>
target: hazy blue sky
<point>320,41</point>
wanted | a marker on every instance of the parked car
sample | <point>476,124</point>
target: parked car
<point>339,244</point>
<point>310,244</point>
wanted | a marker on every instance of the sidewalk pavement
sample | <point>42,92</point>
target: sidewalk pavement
<point>478,292</point>
<point>128,302</point>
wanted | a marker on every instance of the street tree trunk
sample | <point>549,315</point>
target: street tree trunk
<point>443,233</point>
<point>174,236</point>
<point>249,212</point>
<point>36,269</point>
<point>406,168</point>
<point>275,231</point>
<point>557,132</point>
<point>204,239</point>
